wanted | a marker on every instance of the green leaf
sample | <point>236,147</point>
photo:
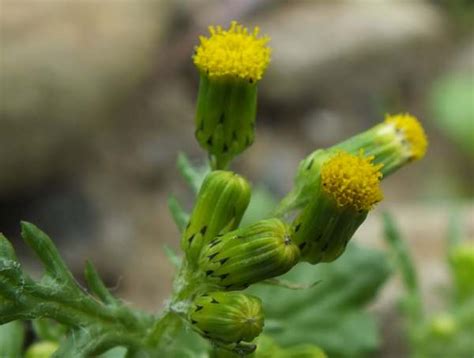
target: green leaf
<point>179,215</point>
<point>49,330</point>
<point>12,336</point>
<point>97,286</point>
<point>172,256</point>
<point>6,249</point>
<point>452,103</point>
<point>332,314</point>
<point>412,300</point>
<point>49,255</point>
<point>194,176</point>
<point>262,203</point>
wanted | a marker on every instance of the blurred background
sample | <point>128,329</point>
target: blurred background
<point>97,98</point>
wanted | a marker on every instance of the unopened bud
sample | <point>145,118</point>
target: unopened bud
<point>221,203</point>
<point>44,349</point>
<point>227,317</point>
<point>461,259</point>
<point>239,258</point>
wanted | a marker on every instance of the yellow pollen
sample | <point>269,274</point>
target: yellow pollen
<point>412,132</point>
<point>352,180</point>
<point>233,53</point>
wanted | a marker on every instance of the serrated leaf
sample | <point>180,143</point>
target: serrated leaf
<point>47,252</point>
<point>179,215</point>
<point>332,314</point>
<point>172,256</point>
<point>97,286</point>
<point>194,176</point>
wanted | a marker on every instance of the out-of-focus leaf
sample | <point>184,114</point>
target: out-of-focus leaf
<point>412,301</point>
<point>452,100</point>
<point>330,315</point>
<point>188,344</point>
<point>448,334</point>
<point>49,330</point>
<point>461,262</point>
<point>117,352</point>
<point>172,256</point>
<point>455,228</point>
<point>194,176</point>
<point>288,284</point>
<point>11,339</point>
<point>261,206</point>
<point>179,215</point>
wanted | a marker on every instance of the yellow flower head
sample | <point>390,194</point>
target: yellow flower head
<point>353,181</point>
<point>233,53</point>
<point>411,133</point>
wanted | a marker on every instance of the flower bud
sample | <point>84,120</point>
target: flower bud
<point>44,349</point>
<point>395,142</point>
<point>230,63</point>
<point>239,258</point>
<point>227,317</point>
<point>348,188</point>
<point>221,203</point>
<point>461,259</point>
<point>306,182</point>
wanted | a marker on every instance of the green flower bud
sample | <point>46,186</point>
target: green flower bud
<point>230,63</point>
<point>461,259</point>
<point>227,317</point>
<point>347,188</point>
<point>221,203</point>
<point>306,181</point>
<point>239,258</point>
<point>443,325</point>
<point>225,117</point>
<point>43,349</point>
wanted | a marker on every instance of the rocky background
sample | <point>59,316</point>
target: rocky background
<point>97,98</point>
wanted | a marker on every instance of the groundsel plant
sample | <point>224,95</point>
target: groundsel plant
<point>334,191</point>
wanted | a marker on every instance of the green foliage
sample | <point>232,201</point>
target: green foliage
<point>447,333</point>
<point>452,104</point>
<point>12,336</point>
<point>331,314</point>
<point>193,175</point>
<point>96,321</point>
<point>411,302</point>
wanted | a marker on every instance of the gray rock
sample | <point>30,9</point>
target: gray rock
<point>319,44</point>
<point>65,68</point>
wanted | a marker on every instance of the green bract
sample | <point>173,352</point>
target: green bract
<point>239,258</point>
<point>228,317</point>
<point>225,117</point>
<point>220,205</point>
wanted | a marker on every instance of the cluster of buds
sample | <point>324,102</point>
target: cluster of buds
<point>335,188</point>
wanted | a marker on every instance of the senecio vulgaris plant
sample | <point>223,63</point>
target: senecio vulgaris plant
<point>334,191</point>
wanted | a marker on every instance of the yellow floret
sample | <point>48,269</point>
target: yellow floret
<point>352,180</point>
<point>412,133</point>
<point>233,53</point>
